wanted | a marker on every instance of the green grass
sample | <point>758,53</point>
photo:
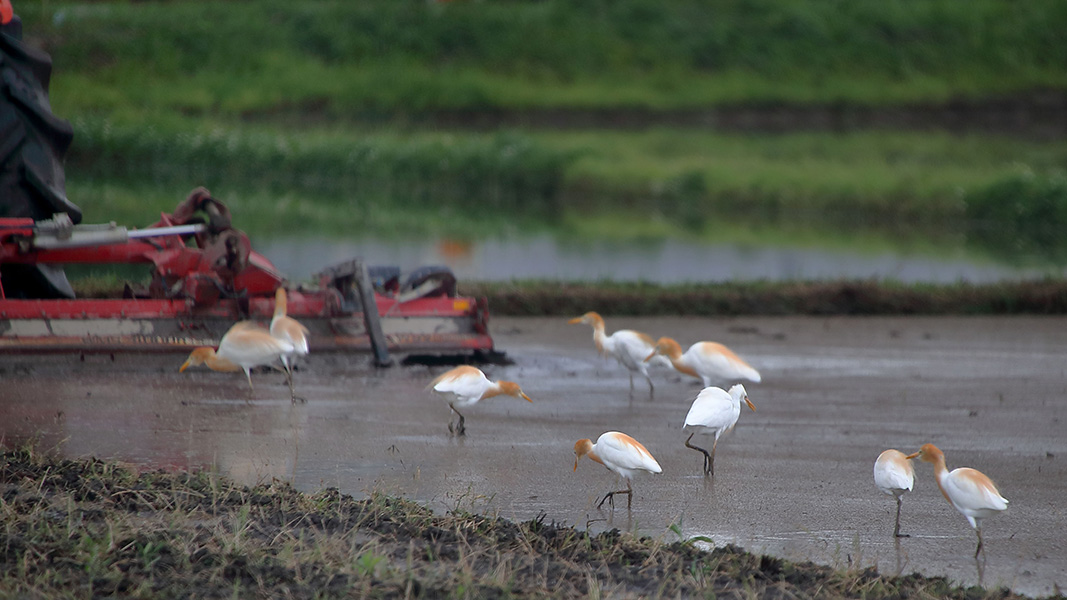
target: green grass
<point>897,174</point>
<point>408,56</point>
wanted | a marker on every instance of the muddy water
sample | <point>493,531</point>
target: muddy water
<point>793,479</point>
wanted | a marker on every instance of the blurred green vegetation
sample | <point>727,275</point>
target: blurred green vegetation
<point>336,58</point>
<point>325,116</point>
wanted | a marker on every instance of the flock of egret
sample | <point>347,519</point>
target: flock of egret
<point>969,491</point>
<point>248,345</point>
<point>714,411</point>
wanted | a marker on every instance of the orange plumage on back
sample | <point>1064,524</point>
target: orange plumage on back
<point>709,361</point>
<point>622,455</point>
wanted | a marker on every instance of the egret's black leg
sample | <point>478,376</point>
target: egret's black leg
<point>707,457</point>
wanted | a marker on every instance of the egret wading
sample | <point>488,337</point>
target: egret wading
<point>714,411</point>
<point>894,475</point>
<point>246,345</point>
<point>711,362</point>
<point>627,346</point>
<point>622,455</point>
<point>966,489</point>
<point>288,329</point>
<point>465,386</point>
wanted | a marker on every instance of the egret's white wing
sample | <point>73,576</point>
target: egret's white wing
<point>625,452</point>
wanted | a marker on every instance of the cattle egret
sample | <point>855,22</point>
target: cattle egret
<point>622,455</point>
<point>465,385</point>
<point>288,329</point>
<point>627,346</point>
<point>244,346</point>
<point>708,361</point>
<point>894,475</point>
<point>968,490</point>
<point>714,412</point>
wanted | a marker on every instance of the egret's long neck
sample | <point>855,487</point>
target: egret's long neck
<point>737,404</point>
<point>599,337</point>
<point>593,456</point>
<point>682,365</point>
<point>493,390</point>
<point>281,304</point>
<point>217,363</point>
<point>941,473</point>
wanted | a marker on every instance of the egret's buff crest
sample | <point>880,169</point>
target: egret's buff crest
<point>582,448</point>
<point>206,356</point>
<point>597,322</point>
<point>511,388</point>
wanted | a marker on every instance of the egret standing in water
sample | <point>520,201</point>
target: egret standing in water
<point>894,475</point>
<point>245,346</point>
<point>966,489</point>
<point>622,455</point>
<point>711,362</point>
<point>627,346</point>
<point>288,329</point>
<point>714,412</point>
<point>465,385</point>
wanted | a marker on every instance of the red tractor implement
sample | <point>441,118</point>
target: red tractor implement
<point>205,276</point>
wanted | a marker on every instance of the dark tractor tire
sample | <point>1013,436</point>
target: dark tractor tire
<point>33,143</point>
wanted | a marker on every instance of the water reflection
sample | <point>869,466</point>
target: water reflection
<point>663,262</point>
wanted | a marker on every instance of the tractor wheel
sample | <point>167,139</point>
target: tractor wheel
<point>33,143</point>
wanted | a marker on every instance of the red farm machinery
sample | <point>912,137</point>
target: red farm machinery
<point>204,276</point>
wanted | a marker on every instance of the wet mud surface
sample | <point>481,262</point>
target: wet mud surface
<point>793,479</point>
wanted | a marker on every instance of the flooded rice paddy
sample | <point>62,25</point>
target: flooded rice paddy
<point>662,262</point>
<point>793,479</point>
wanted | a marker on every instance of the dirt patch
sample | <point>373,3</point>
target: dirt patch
<point>92,528</point>
<point>774,298</point>
<point>1037,115</point>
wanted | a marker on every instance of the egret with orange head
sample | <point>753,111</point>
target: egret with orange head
<point>465,385</point>
<point>966,489</point>
<point>711,362</point>
<point>627,346</point>
<point>246,345</point>
<point>622,455</point>
<point>894,475</point>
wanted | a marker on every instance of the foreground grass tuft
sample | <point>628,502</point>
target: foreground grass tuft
<point>89,528</point>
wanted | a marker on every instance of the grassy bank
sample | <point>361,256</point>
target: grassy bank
<point>81,529</point>
<point>388,58</point>
<point>1047,297</point>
